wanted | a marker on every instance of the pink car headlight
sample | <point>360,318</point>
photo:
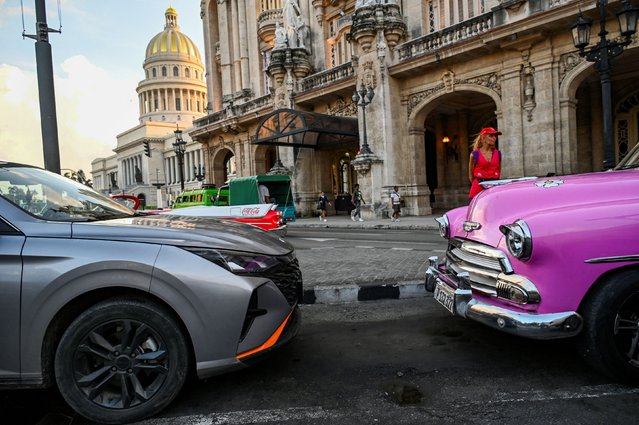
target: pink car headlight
<point>518,239</point>
<point>444,226</point>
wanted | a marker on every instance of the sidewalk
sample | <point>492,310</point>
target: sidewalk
<point>343,221</point>
<point>360,272</point>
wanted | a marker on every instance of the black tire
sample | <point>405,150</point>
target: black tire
<point>609,341</point>
<point>121,360</point>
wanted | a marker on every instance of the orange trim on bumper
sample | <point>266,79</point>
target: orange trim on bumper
<point>269,342</point>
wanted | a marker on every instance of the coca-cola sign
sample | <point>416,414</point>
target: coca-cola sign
<point>251,211</point>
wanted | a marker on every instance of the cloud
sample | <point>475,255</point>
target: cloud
<point>8,12</point>
<point>92,108</point>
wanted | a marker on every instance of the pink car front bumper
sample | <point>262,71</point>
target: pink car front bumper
<point>455,294</point>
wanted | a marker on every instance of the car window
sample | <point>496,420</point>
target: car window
<point>50,196</point>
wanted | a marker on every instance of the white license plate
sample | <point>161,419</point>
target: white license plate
<point>445,295</point>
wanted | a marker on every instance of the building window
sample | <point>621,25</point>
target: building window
<point>178,104</point>
<point>155,73</point>
<point>164,71</point>
<point>187,73</point>
<point>176,72</point>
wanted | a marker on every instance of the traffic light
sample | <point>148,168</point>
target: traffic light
<point>147,148</point>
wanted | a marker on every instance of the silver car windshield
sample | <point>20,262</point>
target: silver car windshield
<point>49,196</point>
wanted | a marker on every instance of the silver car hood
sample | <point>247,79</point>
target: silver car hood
<point>205,232</point>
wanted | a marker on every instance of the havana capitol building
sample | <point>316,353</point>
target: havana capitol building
<point>381,93</point>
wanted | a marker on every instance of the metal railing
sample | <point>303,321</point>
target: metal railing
<point>253,105</point>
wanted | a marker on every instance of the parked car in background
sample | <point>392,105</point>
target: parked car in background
<point>117,308</point>
<point>549,258</point>
<point>245,191</point>
<point>206,195</point>
<point>129,201</point>
<point>263,216</point>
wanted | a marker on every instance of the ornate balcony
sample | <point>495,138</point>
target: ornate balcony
<point>266,24</point>
<point>327,77</point>
<point>432,42</point>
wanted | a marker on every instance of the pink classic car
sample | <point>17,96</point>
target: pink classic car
<point>550,257</point>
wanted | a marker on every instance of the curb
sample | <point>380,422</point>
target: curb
<point>336,294</point>
<point>369,226</point>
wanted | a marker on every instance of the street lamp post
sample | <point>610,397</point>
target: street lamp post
<point>363,98</point>
<point>199,172</point>
<point>179,147</point>
<point>602,54</point>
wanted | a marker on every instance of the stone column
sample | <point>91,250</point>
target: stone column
<point>512,143</point>
<point>225,54</point>
<point>375,32</point>
<point>244,54</point>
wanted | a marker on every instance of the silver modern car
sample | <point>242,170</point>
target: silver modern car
<point>116,308</point>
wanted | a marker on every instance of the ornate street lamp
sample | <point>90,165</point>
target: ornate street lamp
<point>199,172</point>
<point>363,98</point>
<point>602,54</point>
<point>179,147</point>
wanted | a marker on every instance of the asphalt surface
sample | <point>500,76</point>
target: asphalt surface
<point>341,275</point>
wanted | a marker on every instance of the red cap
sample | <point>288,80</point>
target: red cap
<point>489,130</point>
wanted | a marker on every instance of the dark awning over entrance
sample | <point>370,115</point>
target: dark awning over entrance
<point>288,127</point>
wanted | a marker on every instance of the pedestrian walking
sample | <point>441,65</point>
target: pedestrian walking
<point>396,203</point>
<point>357,200</point>
<point>321,205</point>
<point>485,160</point>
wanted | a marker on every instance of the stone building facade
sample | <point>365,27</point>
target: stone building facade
<point>439,70</point>
<point>171,96</point>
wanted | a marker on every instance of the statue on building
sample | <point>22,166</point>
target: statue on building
<point>281,41</point>
<point>290,12</point>
<point>302,33</point>
<point>138,175</point>
<point>363,3</point>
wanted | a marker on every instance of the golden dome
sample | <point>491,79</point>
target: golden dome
<point>171,40</point>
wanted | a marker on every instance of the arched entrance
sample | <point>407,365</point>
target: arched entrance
<point>265,157</point>
<point>582,112</point>
<point>450,123</point>
<point>223,166</point>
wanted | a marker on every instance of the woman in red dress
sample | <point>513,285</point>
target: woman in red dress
<point>485,160</point>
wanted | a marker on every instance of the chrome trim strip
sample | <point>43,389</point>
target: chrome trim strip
<point>615,259</point>
<point>469,226</point>
<point>478,249</point>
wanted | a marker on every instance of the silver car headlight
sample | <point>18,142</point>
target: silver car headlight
<point>444,226</point>
<point>237,262</point>
<point>518,239</point>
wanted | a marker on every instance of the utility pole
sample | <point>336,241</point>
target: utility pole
<point>44,64</point>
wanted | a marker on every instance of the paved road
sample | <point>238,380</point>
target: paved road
<point>402,362</point>
<point>346,264</point>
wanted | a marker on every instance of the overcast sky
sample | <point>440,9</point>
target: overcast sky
<point>97,62</point>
